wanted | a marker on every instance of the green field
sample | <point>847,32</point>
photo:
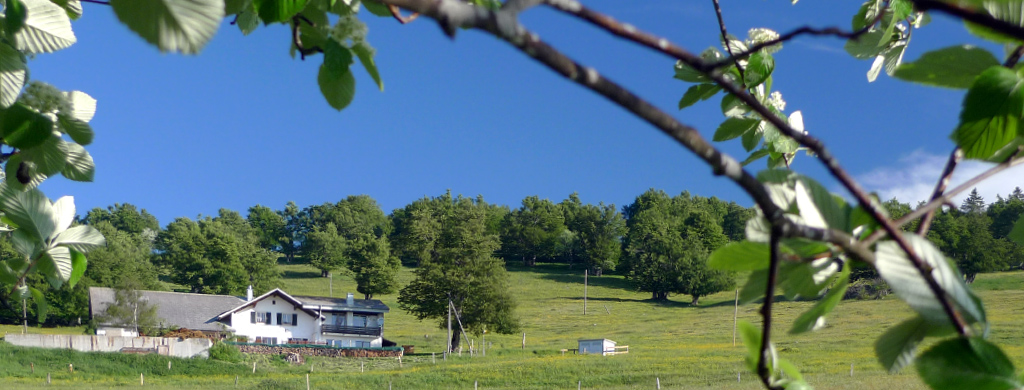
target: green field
<point>682,346</point>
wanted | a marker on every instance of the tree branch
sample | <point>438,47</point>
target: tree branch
<point>96,2</point>
<point>395,12</point>
<point>1014,57</point>
<point>766,312</point>
<point>940,187</point>
<point>826,157</point>
<point>303,51</point>
<point>971,15</point>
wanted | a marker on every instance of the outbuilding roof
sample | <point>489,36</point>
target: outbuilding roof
<point>183,310</point>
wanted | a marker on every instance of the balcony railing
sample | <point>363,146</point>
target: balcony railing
<point>339,329</point>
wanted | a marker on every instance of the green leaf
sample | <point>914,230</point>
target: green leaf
<point>64,214</point>
<point>248,21</point>
<point>13,72</point>
<point>79,165</point>
<point>686,73</point>
<point>740,256</point>
<point>274,11</point>
<point>866,46</point>
<point>14,17</point>
<point>18,171</point>
<point>867,13</point>
<point>23,242</point>
<point>55,263</point>
<point>991,113</point>
<point>894,57</point>
<point>78,264</point>
<point>697,93</point>
<point>46,30</point>
<point>734,127</point>
<point>901,9</point>
<point>81,238</point>
<point>832,208</point>
<point>804,248</point>
<point>759,67</point>
<point>25,128</point>
<point>898,345</point>
<point>733,106</point>
<point>79,131</point>
<point>897,270</point>
<point>1017,233</point>
<point>337,58</point>
<point>971,363</point>
<point>365,54</point>
<point>952,67</point>
<point>751,140</point>
<point>376,8</point>
<point>183,26</point>
<point>232,7</point>
<point>754,156</point>
<point>814,318</point>
<point>83,106</point>
<point>72,7</point>
<point>41,307</point>
<point>751,337</point>
<point>31,210</point>
<point>807,279</point>
<point>338,90</point>
<point>49,157</point>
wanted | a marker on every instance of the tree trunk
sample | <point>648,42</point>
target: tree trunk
<point>455,341</point>
<point>695,299</point>
<point>530,262</point>
<point>368,296</point>
<point>969,278</point>
<point>324,274</point>
<point>659,295</point>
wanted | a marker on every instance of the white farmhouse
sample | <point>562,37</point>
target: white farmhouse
<point>279,318</point>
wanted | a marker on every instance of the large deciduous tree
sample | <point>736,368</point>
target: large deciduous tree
<point>219,255</point>
<point>531,232</point>
<point>667,245</point>
<point>457,265</point>
<point>375,268</point>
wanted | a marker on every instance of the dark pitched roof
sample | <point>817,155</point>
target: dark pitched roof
<point>341,303</point>
<point>184,310</point>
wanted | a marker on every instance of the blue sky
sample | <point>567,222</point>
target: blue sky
<point>244,124</point>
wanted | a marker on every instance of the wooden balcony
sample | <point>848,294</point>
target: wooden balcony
<point>356,330</point>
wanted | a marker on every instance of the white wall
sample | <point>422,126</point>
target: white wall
<point>184,348</point>
<point>308,327</point>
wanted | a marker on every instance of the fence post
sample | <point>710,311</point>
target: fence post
<point>307,381</point>
<point>851,370</point>
<point>253,367</point>
<point>360,366</point>
<point>579,384</point>
<point>71,368</point>
<point>236,380</point>
<point>47,378</point>
<point>474,385</point>
<point>657,383</point>
<point>433,357</point>
<point>168,365</point>
<point>142,379</point>
<point>33,365</point>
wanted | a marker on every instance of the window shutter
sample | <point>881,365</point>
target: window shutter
<point>252,317</point>
<point>270,318</point>
<point>279,318</point>
<point>295,319</point>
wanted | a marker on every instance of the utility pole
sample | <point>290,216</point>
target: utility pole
<point>330,282</point>
<point>24,316</point>
<point>586,274</point>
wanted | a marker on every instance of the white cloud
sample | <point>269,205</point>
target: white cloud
<point>914,178</point>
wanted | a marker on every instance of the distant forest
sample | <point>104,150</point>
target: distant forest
<point>659,242</point>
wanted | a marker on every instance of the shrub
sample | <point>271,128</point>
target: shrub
<point>225,352</point>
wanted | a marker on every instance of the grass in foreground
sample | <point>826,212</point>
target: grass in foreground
<point>682,346</point>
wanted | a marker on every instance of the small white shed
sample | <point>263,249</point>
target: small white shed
<point>601,346</point>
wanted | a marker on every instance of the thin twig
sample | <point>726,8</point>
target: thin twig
<point>824,155</point>
<point>397,14</point>
<point>940,187</point>
<point>235,19</point>
<point>297,41</point>
<point>806,30</point>
<point>725,41</point>
<point>766,312</point>
<point>96,2</point>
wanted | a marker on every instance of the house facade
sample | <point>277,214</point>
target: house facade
<point>279,318</point>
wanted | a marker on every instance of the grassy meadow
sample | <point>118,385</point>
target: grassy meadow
<point>674,343</point>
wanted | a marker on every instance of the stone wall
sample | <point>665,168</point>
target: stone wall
<point>314,351</point>
<point>184,348</point>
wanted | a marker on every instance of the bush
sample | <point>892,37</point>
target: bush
<point>868,288</point>
<point>225,352</point>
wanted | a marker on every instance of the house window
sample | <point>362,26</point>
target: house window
<point>362,344</point>
<point>270,318</point>
<point>279,322</point>
<point>289,319</point>
<point>259,318</point>
<point>359,321</point>
<point>266,340</point>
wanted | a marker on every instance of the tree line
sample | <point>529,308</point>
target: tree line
<point>461,247</point>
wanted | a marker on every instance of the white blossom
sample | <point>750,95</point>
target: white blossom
<point>775,100</point>
<point>44,98</point>
<point>761,35</point>
<point>349,30</point>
